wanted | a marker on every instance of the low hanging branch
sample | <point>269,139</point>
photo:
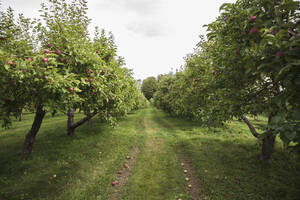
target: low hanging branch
<point>72,126</point>
<point>251,127</point>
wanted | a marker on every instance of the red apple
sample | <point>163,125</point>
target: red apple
<point>213,72</point>
<point>29,59</point>
<point>254,30</point>
<point>46,51</point>
<point>252,18</point>
<point>24,70</point>
<point>97,51</point>
<point>58,52</point>
<point>113,183</point>
<point>279,54</point>
<point>45,60</point>
<point>119,172</point>
<point>90,80</point>
<point>71,89</point>
<point>10,63</point>
<point>49,45</point>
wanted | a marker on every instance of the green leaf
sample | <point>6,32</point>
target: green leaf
<point>290,134</point>
<point>285,69</point>
<point>224,6</point>
<point>6,67</point>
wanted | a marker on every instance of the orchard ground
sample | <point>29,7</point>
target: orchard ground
<point>224,161</point>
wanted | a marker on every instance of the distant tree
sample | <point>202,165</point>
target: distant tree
<point>149,87</point>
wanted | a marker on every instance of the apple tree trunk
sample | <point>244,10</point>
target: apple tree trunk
<point>268,143</point>
<point>30,136</point>
<point>21,115</point>
<point>70,129</point>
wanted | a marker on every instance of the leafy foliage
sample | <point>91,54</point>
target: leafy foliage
<point>249,64</point>
<point>149,87</point>
<point>53,63</point>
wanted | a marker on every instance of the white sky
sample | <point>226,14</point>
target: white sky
<point>152,35</point>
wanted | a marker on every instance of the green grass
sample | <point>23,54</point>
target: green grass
<point>84,165</point>
<point>225,160</point>
<point>158,174</point>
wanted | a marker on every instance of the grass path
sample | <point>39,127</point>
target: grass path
<point>158,174</point>
<point>150,150</point>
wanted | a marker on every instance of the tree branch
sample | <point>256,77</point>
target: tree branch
<point>251,127</point>
<point>82,121</point>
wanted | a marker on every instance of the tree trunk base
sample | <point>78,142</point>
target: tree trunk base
<point>30,136</point>
<point>70,130</point>
<point>267,148</point>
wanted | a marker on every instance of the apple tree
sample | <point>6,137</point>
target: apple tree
<point>149,86</point>
<point>30,77</point>
<point>255,58</point>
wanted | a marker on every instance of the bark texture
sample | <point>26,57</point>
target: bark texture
<point>30,136</point>
<point>251,127</point>
<point>268,143</point>
<point>72,126</point>
<point>70,130</point>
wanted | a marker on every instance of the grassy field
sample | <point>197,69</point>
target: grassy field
<point>224,161</point>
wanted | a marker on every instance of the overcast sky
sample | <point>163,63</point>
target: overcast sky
<point>152,35</point>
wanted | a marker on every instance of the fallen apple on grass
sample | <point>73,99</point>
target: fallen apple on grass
<point>126,165</point>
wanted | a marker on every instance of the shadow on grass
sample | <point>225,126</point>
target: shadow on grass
<point>54,161</point>
<point>227,163</point>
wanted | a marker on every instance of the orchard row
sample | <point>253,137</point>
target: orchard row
<point>52,64</point>
<point>249,63</point>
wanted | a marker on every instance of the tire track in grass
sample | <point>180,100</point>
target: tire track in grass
<point>124,174</point>
<point>128,166</point>
<point>193,185</point>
